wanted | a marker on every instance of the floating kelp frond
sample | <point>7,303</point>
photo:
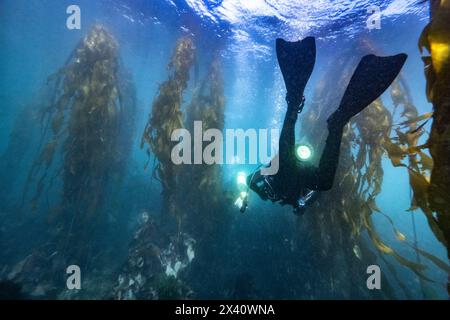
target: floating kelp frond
<point>417,268</point>
<point>414,121</point>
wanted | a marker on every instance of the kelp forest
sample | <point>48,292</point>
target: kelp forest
<point>88,165</point>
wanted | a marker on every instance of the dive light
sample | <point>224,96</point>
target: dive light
<point>303,152</point>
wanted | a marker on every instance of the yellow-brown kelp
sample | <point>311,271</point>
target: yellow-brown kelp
<point>403,151</point>
<point>335,221</point>
<point>89,107</point>
<point>343,215</point>
<point>165,117</point>
<point>367,121</point>
<point>81,126</point>
<point>204,204</point>
<point>435,38</point>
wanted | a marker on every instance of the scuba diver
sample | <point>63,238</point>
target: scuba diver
<point>296,183</point>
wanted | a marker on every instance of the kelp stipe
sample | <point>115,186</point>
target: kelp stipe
<point>165,117</point>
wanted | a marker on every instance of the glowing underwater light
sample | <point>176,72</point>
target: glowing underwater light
<point>239,202</point>
<point>303,152</point>
<point>242,178</point>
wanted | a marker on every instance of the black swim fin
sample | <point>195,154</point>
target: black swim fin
<point>296,60</point>
<point>371,78</point>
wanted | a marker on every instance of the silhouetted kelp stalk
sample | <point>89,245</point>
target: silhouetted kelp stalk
<point>165,117</point>
<point>435,38</point>
<point>86,130</point>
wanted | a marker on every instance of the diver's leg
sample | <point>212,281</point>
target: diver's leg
<point>296,61</point>
<point>287,136</point>
<point>324,176</point>
<point>372,77</point>
<point>286,148</point>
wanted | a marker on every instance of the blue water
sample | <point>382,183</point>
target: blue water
<point>35,43</point>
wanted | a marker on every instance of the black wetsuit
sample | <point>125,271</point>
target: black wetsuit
<point>295,178</point>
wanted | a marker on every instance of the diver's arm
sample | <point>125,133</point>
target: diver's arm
<point>259,191</point>
<point>252,182</point>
